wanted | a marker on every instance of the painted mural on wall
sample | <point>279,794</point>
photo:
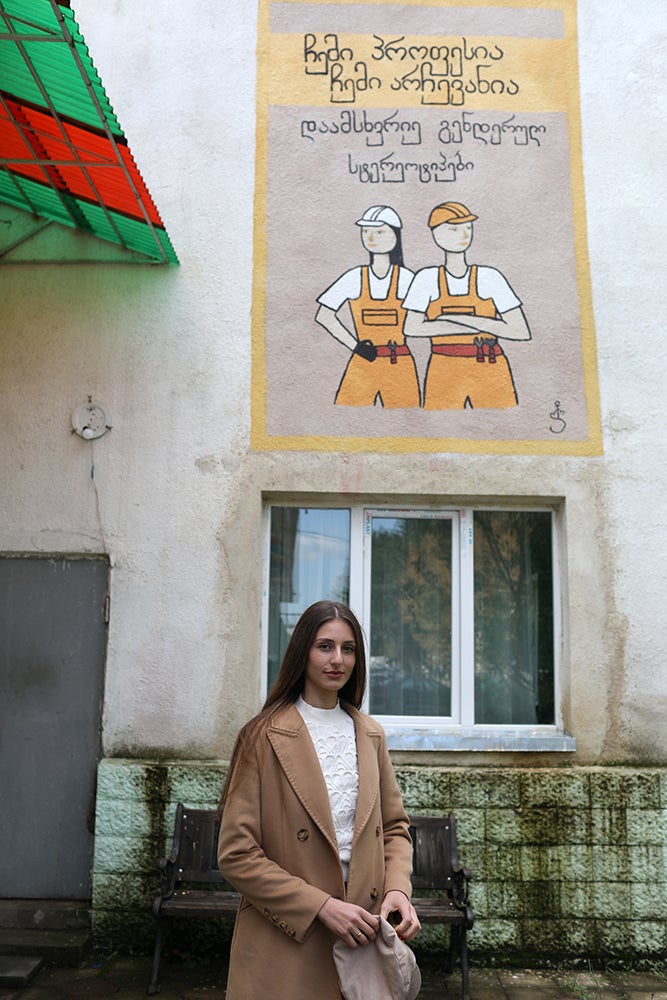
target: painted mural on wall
<point>421,274</point>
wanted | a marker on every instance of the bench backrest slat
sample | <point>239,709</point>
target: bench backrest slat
<point>435,856</point>
<point>196,845</point>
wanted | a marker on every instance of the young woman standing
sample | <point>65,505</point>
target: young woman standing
<point>313,834</point>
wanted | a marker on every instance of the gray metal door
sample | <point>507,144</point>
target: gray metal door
<point>52,650</point>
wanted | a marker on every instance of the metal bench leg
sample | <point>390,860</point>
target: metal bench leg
<point>453,947</point>
<point>159,938</point>
<point>465,977</point>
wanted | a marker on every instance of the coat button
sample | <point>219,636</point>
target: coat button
<point>377,831</point>
<point>374,894</point>
<point>302,835</point>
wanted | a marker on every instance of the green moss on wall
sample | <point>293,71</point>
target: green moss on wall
<point>569,863</point>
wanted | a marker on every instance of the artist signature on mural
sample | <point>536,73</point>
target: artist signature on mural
<point>558,424</point>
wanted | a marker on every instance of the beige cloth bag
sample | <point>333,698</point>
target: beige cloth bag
<point>385,969</point>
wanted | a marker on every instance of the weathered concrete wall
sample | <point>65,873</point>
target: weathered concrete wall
<point>136,802</point>
<point>176,500</point>
<point>177,495</point>
<point>567,862</point>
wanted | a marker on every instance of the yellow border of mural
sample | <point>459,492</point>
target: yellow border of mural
<point>260,439</point>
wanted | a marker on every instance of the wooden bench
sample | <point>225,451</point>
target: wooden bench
<point>435,867</point>
<point>193,862</point>
<point>191,884</point>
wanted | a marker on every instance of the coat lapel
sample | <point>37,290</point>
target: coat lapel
<point>369,773</point>
<point>290,739</point>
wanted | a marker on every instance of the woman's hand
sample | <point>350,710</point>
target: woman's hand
<point>350,922</point>
<point>396,901</point>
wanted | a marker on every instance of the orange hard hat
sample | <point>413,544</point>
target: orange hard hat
<point>452,212</point>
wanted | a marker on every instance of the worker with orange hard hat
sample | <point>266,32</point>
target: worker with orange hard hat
<point>465,310</point>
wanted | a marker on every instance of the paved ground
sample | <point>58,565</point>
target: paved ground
<point>127,978</point>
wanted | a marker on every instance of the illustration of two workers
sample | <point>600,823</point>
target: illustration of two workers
<point>464,309</point>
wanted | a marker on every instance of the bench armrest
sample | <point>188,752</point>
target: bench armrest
<point>461,878</point>
<point>167,868</point>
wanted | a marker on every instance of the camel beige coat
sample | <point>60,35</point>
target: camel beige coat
<point>278,848</point>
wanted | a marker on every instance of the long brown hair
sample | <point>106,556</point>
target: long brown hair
<point>290,682</point>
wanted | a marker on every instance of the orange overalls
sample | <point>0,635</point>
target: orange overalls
<point>392,376</point>
<point>466,368</point>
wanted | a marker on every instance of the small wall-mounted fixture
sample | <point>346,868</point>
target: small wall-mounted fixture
<point>89,420</point>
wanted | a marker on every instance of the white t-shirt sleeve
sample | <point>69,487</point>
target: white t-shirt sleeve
<point>491,284</point>
<point>423,289</point>
<point>405,277</point>
<point>348,286</point>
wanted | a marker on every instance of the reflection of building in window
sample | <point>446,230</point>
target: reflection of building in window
<point>457,606</point>
<point>514,635</point>
<point>310,554</point>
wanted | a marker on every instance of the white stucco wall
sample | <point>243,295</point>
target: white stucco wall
<point>176,496</point>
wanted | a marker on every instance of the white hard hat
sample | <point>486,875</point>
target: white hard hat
<point>380,215</point>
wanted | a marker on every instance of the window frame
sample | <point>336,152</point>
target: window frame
<point>363,600</point>
<point>459,732</point>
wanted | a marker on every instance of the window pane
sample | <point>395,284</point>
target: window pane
<point>514,644</point>
<point>309,561</point>
<point>411,616</point>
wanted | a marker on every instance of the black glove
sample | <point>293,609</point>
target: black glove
<point>366,349</point>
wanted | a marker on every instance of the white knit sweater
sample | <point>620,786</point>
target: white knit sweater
<point>332,733</point>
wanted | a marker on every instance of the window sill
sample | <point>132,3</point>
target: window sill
<point>497,739</point>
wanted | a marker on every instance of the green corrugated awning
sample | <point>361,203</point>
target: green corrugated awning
<point>64,158</point>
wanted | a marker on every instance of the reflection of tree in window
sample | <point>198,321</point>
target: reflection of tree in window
<point>309,561</point>
<point>514,680</point>
<point>411,616</point>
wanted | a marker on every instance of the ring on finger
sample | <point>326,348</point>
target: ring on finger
<point>359,935</point>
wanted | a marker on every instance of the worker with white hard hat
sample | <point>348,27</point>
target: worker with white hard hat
<point>465,310</point>
<point>381,370</point>
<point>380,215</point>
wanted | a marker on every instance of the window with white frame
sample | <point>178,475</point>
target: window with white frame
<point>459,607</point>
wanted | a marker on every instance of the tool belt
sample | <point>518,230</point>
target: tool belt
<point>481,349</point>
<point>392,351</point>
<point>370,351</point>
